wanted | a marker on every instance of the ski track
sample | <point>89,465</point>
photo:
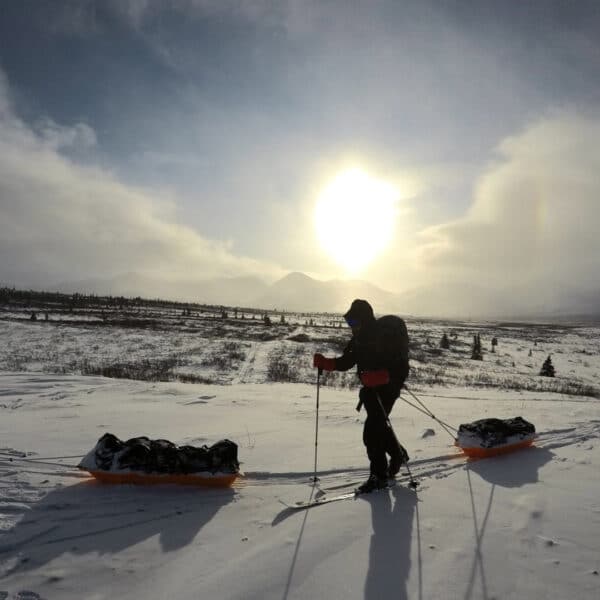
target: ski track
<point>26,518</point>
<point>245,371</point>
<point>549,439</point>
<point>516,398</point>
<point>558,438</point>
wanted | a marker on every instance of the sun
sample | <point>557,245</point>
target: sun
<point>355,216</point>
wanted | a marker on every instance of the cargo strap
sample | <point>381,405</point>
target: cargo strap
<point>422,408</point>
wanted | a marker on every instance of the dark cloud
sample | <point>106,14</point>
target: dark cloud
<point>240,112</point>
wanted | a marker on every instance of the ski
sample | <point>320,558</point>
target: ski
<point>304,504</point>
<point>399,479</point>
<point>301,504</point>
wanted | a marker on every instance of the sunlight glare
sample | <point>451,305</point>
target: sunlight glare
<point>355,217</point>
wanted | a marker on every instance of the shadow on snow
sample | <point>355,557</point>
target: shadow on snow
<point>513,470</point>
<point>91,517</point>
<point>392,518</point>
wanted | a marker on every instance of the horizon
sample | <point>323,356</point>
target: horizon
<point>551,320</point>
<point>444,154</point>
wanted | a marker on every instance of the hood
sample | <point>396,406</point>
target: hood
<point>362,311</point>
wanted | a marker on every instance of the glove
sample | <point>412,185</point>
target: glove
<point>326,364</point>
<point>375,378</point>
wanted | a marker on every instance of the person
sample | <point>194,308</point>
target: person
<point>379,350</point>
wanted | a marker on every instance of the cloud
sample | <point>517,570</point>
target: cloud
<point>63,221</point>
<point>531,232</point>
<point>68,17</point>
<point>138,12</point>
<point>77,136</point>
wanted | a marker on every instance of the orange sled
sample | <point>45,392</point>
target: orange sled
<point>220,480</point>
<point>478,452</point>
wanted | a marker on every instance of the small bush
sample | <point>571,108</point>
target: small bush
<point>143,370</point>
<point>282,371</point>
<point>267,337</point>
<point>301,337</point>
<point>285,364</point>
<point>15,362</point>
<point>224,356</point>
<point>191,378</point>
<point>429,376</point>
<point>339,379</point>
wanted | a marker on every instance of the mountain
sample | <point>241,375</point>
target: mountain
<point>300,293</point>
<point>294,292</point>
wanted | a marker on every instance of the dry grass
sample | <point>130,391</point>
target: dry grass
<point>155,343</point>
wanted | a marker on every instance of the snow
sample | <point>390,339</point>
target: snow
<point>523,525</point>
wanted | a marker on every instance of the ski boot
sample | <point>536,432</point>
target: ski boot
<point>371,484</point>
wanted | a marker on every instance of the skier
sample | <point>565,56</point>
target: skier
<point>379,349</point>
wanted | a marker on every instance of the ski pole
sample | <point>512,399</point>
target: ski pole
<point>413,483</point>
<point>315,478</point>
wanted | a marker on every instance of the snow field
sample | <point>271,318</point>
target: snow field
<point>523,525</point>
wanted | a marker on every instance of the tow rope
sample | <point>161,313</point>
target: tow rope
<point>40,461</point>
<point>422,408</point>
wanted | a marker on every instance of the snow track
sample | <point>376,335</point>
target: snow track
<point>244,374</point>
<point>569,436</point>
<point>516,526</point>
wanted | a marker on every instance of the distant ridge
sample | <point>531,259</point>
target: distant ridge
<point>299,292</point>
<point>294,292</point>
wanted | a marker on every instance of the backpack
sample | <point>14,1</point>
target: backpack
<point>392,339</point>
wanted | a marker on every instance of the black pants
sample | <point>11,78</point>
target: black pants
<point>377,436</point>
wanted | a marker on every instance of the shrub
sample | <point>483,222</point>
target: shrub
<point>282,371</point>
<point>300,337</point>
<point>143,370</point>
<point>284,364</point>
<point>191,378</point>
<point>224,356</point>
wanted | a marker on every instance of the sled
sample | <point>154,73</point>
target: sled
<point>143,461</point>
<point>478,452</point>
<point>494,437</point>
<point>216,480</point>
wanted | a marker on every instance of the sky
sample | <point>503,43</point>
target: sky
<point>196,138</point>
